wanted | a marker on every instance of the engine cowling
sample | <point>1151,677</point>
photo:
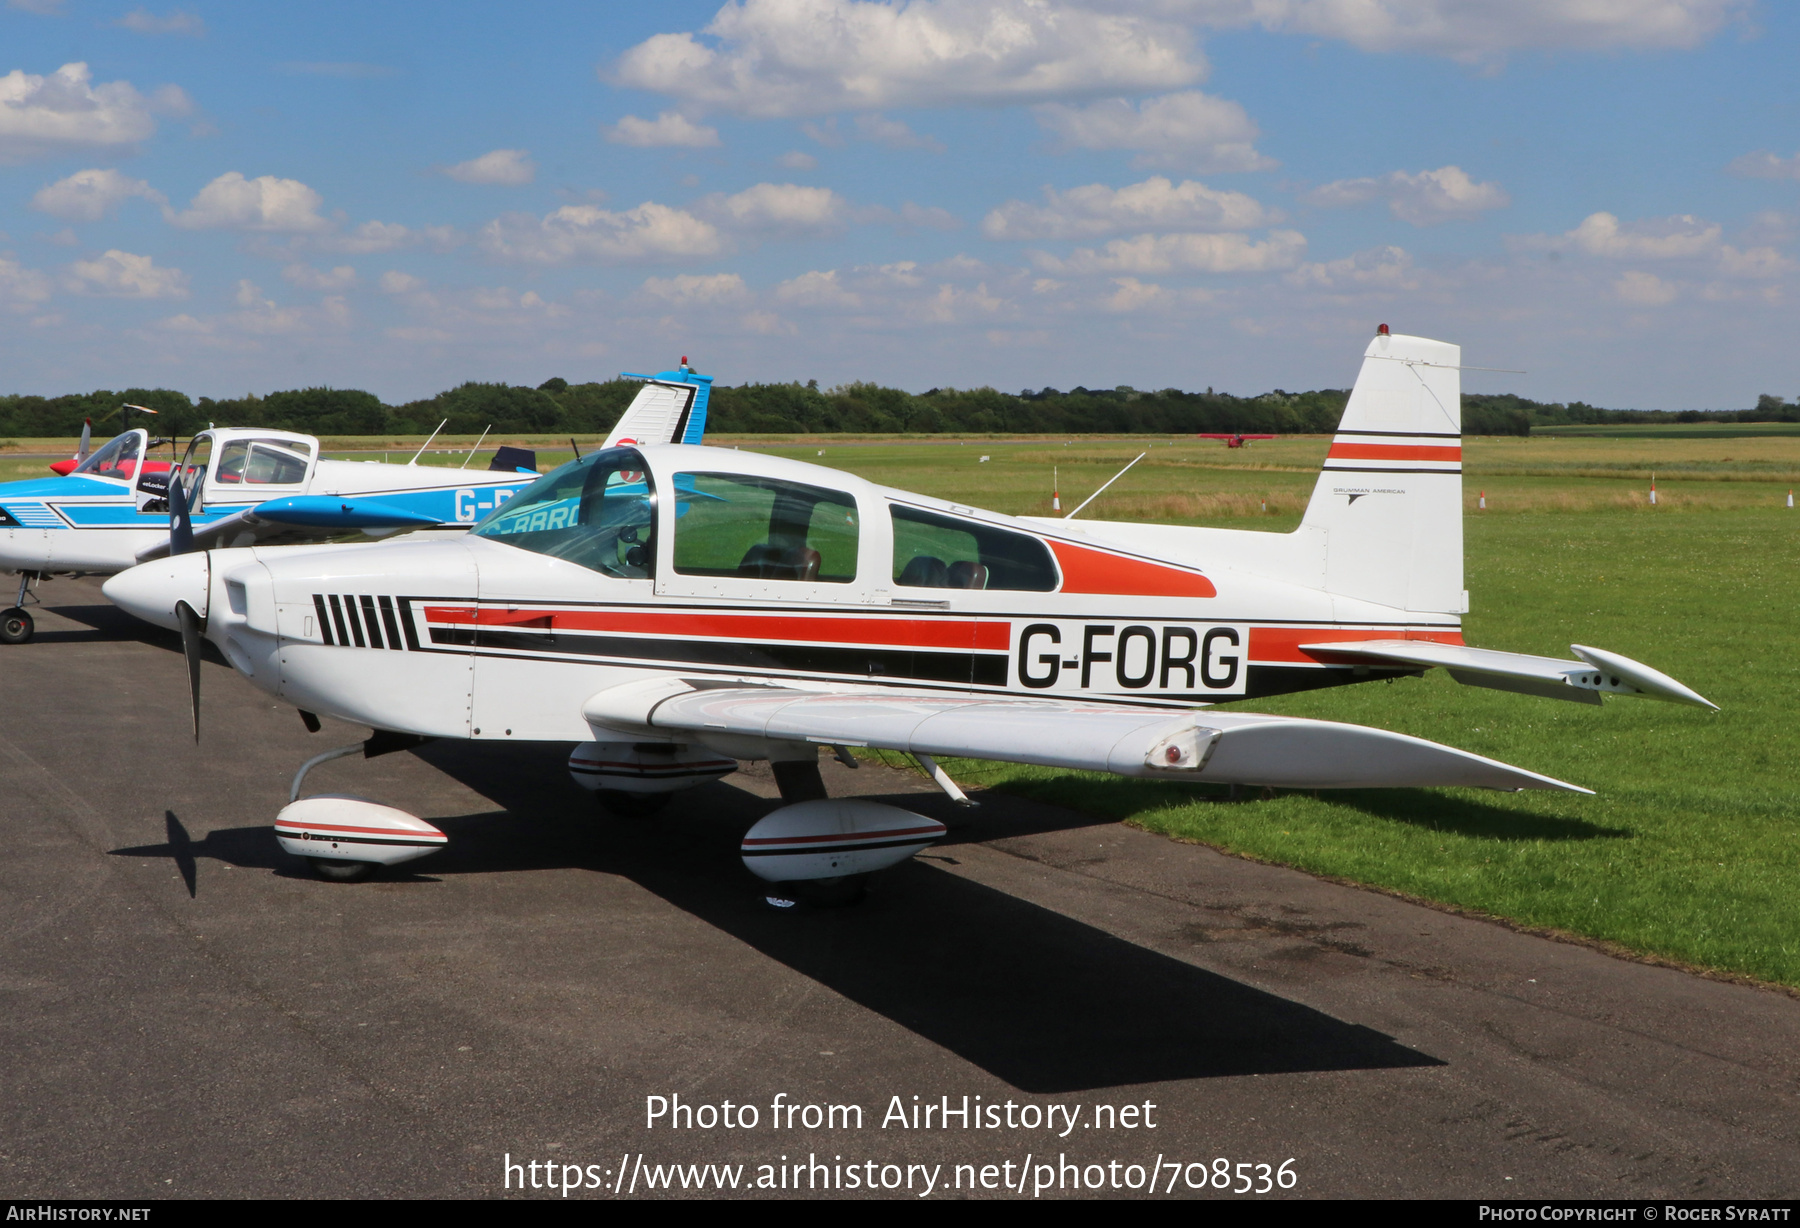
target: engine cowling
<point>645,767</point>
<point>835,838</point>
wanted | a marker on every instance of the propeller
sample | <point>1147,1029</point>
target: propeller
<point>181,524</point>
<point>193,631</point>
<point>87,438</point>
<point>193,627</point>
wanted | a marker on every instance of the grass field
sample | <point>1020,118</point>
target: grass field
<point>1691,849</point>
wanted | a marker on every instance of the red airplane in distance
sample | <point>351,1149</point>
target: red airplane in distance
<point>1234,440</point>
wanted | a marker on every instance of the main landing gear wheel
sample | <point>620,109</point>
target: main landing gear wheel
<point>15,626</point>
<point>632,805</point>
<point>842,892</point>
<point>341,871</point>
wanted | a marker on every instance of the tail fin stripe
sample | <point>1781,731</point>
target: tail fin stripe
<point>1405,434</point>
<point>1387,469</point>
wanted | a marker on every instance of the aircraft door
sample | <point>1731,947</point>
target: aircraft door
<point>550,634</point>
<point>746,537</point>
<point>192,470</point>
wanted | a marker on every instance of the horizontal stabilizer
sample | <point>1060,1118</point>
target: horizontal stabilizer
<point>1212,746</point>
<point>1597,673</point>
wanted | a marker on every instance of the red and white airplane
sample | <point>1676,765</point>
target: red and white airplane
<point>675,609</point>
<point>1234,439</point>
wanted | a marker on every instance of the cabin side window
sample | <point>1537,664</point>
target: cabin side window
<point>764,529</point>
<point>933,551</point>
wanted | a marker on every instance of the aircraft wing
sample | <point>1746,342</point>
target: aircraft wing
<point>293,520</point>
<point>1597,673</point>
<point>1203,746</point>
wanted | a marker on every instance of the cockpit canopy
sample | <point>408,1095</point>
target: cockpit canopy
<point>117,458</point>
<point>598,512</point>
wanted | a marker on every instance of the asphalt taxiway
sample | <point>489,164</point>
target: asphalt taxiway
<point>185,1011</point>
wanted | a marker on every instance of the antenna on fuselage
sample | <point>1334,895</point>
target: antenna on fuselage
<point>1115,477</point>
<point>426,444</point>
<point>476,448</point>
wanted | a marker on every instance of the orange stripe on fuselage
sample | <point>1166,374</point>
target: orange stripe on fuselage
<point>1270,645</point>
<point>1394,451</point>
<point>1114,575</point>
<point>907,632</point>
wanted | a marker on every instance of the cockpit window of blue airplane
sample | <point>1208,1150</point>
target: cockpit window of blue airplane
<point>598,512</point>
<point>263,462</point>
<point>116,458</point>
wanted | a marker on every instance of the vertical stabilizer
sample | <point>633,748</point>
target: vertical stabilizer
<point>1388,503</point>
<point>669,408</point>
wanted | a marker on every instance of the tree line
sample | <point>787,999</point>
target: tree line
<point>558,407</point>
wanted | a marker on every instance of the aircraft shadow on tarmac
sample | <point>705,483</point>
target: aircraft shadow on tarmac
<point>1427,808</point>
<point>1046,1003</point>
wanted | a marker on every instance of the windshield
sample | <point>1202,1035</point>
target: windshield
<point>597,512</point>
<point>117,458</point>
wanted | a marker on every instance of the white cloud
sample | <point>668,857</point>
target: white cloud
<point>232,202</point>
<point>395,282</point>
<point>1753,262</point>
<point>88,196</point>
<point>669,129</point>
<point>377,236</point>
<point>1425,199</point>
<point>819,288</point>
<point>689,290</point>
<point>20,286</point>
<point>1203,253</point>
<point>64,112</point>
<point>1683,236</point>
<point>1191,130</point>
<point>1095,210</point>
<point>1480,29</point>
<point>1379,268</point>
<point>1644,290</point>
<point>1134,295</point>
<point>1765,164</point>
<point>308,278</point>
<point>892,134</point>
<point>779,208</point>
<point>794,160</point>
<point>587,232</point>
<point>511,167</point>
<point>120,274</point>
<point>178,21</point>
<point>785,58</point>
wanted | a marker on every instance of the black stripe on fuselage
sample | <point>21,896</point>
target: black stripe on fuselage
<point>981,669</point>
<point>324,617</point>
<point>1372,469</point>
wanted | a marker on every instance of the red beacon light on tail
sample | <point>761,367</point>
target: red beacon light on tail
<point>1381,330</point>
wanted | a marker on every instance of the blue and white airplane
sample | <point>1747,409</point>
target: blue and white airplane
<point>252,486</point>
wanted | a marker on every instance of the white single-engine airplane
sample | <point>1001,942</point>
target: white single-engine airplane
<point>249,485</point>
<point>674,609</point>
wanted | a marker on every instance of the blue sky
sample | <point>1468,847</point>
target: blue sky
<point>1186,193</point>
